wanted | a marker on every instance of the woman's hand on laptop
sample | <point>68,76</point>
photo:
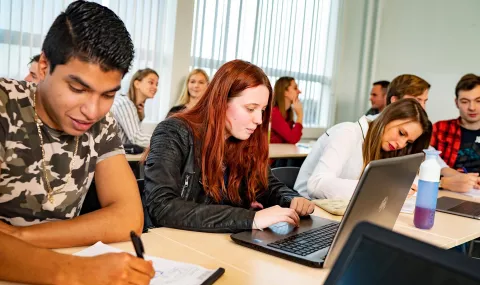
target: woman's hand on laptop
<point>302,206</point>
<point>273,215</point>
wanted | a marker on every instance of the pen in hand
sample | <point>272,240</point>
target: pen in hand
<point>137,244</point>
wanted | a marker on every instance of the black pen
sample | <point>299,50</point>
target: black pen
<point>137,244</point>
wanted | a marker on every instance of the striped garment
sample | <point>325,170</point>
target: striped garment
<point>129,131</point>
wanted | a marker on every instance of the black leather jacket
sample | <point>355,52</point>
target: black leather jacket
<point>174,193</point>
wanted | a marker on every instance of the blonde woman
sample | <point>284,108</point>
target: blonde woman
<point>195,86</point>
<point>334,165</point>
<point>128,110</point>
<point>286,102</point>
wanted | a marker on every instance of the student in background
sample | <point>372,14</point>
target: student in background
<point>412,86</point>
<point>337,159</point>
<point>195,86</point>
<point>207,169</point>
<point>284,129</point>
<point>24,263</point>
<point>128,110</point>
<point>378,97</point>
<point>459,139</point>
<point>32,75</point>
<point>408,86</point>
<point>67,135</point>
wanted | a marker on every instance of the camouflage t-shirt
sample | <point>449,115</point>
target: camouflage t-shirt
<point>23,194</point>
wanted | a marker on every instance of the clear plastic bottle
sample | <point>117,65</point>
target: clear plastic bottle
<point>426,203</point>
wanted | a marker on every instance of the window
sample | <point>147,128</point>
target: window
<point>24,24</point>
<point>283,37</point>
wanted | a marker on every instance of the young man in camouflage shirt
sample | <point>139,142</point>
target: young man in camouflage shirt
<point>53,138</point>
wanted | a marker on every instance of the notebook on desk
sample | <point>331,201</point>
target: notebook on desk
<point>374,255</point>
<point>378,197</point>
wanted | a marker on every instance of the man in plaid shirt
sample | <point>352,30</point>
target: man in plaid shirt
<point>459,139</point>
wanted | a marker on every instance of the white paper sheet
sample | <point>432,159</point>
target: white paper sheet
<point>166,271</point>
<point>472,193</point>
<point>409,205</point>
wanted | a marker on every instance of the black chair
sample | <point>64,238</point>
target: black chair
<point>287,175</point>
<point>92,203</point>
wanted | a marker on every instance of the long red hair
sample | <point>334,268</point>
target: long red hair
<point>246,160</point>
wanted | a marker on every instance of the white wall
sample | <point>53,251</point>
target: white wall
<point>354,57</point>
<point>438,40</point>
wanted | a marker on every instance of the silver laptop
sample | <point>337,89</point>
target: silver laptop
<point>378,198</point>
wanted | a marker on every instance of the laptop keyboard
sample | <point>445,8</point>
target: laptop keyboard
<point>308,242</point>
<point>468,208</point>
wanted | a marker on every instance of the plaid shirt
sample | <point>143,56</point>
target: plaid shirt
<point>446,137</point>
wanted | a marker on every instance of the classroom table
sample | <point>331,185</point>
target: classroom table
<point>247,266</point>
<point>448,231</point>
<point>276,150</point>
<point>285,150</point>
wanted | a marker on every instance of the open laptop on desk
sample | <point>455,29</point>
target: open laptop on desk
<point>374,255</point>
<point>458,207</point>
<point>378,198</point>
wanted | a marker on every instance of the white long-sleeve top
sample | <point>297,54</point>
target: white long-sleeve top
<point>334,165</point>
<point>125,112</point>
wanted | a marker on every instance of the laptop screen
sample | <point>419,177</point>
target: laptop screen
<point>376,263</point>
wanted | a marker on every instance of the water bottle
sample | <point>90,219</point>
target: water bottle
<point>426,203</point>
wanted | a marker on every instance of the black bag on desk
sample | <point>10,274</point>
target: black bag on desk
<point>132,149</point>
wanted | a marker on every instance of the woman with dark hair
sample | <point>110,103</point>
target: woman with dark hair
<point>338,158</point>
<point>207,169</point>
<point>285,104</point>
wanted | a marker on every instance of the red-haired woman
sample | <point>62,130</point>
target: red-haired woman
<point>207,169</point>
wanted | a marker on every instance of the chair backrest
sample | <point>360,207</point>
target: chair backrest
<point>287,175</point>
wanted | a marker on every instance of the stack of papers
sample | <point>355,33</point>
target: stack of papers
<point>166,271</point>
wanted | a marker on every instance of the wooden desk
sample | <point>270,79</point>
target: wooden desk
<point>248,266</point>
<point>276,150</point>
<point>448,231</point>
<point>284,150</point>
<point>264,268</point>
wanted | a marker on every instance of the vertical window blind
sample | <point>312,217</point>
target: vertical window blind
<point>283,37</point>
<point>24,24</point>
